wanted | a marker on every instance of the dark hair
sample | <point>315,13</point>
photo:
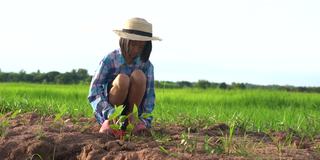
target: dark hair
<point>124,46</point>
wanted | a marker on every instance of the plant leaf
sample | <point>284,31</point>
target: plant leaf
<point>130,128</point>
<point>122,118</point>
<point>135,112</point>
<point>163,150</point>
<point>57,117</point>
<point>117,112</point>
<point>115,126</point>
<point>15,113</point>
<point>146,115</point>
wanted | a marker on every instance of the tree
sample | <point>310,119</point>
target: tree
<point>238,85</point>
<point>51,76</point>
<point>203,84</point>
<point>4,77</point>
<point>82,75</point>
<point>168,84</point>
<point>223,85</point>
<point>38,77</point>
<point>66,78</point>
<point>182,84</point>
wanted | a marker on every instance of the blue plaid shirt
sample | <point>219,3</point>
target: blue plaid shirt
<point>110,66</point>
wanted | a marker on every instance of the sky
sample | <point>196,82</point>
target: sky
<point>245,41</point>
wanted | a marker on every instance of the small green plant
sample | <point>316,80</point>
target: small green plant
<point>58,116</point>
<point>242,147</point>
<point>4,125</point>
<point>312,121</point>
<point>160,138</point>
<point>228,142</point>
<point>225,144</point>
<point>163,150</point>
<point>187,142</point>
<point>15,113</point>
<point>207,146</point>
<point>118,121</point>
<point>58,122</point>
<point>4,122</point>
<point>280,145</point>
<point>219,147</point>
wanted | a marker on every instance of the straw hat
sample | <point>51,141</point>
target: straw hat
<point>137,29</point>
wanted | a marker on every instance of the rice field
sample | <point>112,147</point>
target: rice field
<point>252,109</point>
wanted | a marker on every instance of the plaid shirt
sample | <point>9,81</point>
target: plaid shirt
<point>110,66</point>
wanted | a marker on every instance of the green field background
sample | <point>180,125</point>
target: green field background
<point>252,109</point>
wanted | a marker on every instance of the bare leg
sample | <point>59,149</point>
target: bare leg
<point>117,95</point>
<point>124,87</point>
<point>137,89</point>
<point>119,91</point>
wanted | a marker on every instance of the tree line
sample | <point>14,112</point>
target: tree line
<point>54,77</point>
<point>81,76</point>
<point>204,84</point>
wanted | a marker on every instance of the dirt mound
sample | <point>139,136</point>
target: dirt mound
<point>30,136</point>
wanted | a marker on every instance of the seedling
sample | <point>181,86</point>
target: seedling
<point>4,122</point>
<point>58,116</point>
<point>230,137</point>
<point>188,144</point>
<point>119,122</point>
<point>15,113</point>
<point>242,147</point>
<point>279,144</point>
<point>163,150</point>
<point>160,138</point>
<point>219,148</point>
<point>207,145</point>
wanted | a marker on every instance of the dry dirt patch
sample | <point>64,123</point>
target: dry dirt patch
<point>30,136</point>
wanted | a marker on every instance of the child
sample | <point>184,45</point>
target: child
<point>125,77</point>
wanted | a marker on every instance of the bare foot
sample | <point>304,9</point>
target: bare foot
<point>105,127</point>
<point>141,130</point>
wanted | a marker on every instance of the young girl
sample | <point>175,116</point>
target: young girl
<point>125,77</point>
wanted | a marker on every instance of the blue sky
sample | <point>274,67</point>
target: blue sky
<point>255,41</point>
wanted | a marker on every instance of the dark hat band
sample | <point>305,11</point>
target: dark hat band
<point>140,33</point>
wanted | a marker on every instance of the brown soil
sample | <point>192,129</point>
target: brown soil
<point>30,136</point>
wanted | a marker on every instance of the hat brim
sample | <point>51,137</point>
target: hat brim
<point>134,36</point>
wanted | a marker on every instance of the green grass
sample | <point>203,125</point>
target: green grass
<point>258,110</point>
<point>45,99</point>
<point>254,109</point>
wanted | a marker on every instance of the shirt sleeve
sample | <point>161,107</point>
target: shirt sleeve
<point>148,102</point>
<point>97,92</point>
